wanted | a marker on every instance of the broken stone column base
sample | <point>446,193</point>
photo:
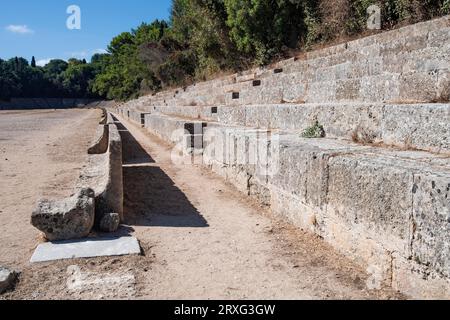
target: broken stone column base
<point>7,279</point>
<point>71,218</point>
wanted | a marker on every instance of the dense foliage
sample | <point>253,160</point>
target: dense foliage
<point>58,79</point>
<point>204,38</point>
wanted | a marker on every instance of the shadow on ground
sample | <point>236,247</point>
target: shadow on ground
<point>151,197</point>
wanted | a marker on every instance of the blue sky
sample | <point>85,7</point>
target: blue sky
<point>38,28</point>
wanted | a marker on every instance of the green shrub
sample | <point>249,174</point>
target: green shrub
<point>314,132</point>
<point>207,37</point>
<point>446,7</point>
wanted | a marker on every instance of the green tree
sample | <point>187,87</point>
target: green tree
<point>78,78</point>
<point>263,28</point>
<point>200,26</point>
<point>56,67</point>
<point>129,69</point>
<point>205,37</point>
<point>9,82</point>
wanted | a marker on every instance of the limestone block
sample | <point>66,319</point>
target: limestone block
<point>345,70</point>
<point>374,65</point>
<point>86,248</point>
<point>238,176</point>
<point>294,88</point>
<point>231,115</point>
<point>418,86</point>
<point>259,190</point>
<point>324,91</point>
<point>443,86</point>
<point>258,116</point>
<point>292,208</point>
<point>381,88</point>
<point>342,58</point>
<point>431,215</point>
<point>439,38</point>
<point>394,62</point>
<point>297,66</point>
<point>339,120</point>
<point>110,198</point>
<point>209,113</point>
<point>347,90</point>
<point>409,42</point>
<point>353,240</point>
<point>110,222</point>
<point>344,120</point>
<point>167,128</point>
<point>423,127</point>
<point>291,117</point>
<point>101,142</point>
<point>7,279</point>
<point>370,50</point>
<point>426,60</point>
<point>71,218</point>
<point>374,192</point>
<point>303,167</point>
<point>271,91</point>
<point>418,281</point>
<point>325,74</point>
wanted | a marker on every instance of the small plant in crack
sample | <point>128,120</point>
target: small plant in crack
<point>314,132</point>
<point>363,136</point>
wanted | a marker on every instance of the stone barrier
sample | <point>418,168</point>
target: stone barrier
<point>98,200</point>
<point>386,209</point>
<point>375,183</point>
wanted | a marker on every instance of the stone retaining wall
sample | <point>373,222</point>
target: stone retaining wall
<point>377,187</point>
<point>418,126</point>
<point>104,174</point>
<point>386,209</point>
<point>408,65</point>
<point>98,195</point>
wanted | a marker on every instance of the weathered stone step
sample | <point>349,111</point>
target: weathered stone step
<point>379,201</point>
<point>417,126</point>
<point>389,210</point>
<point>410,64</point>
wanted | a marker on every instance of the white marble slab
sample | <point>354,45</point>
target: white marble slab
<point>86,248</point>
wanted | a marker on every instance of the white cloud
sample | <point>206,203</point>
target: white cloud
<point>43,62</point>
<point>84,54</point>
<point>101,51</point>
<point>20,29</point>
<point>79,54</point>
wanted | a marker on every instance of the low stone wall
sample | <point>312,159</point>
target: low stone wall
<point>418,126</point>
<point>170,129</point>
<point>98,200</point>
<point>101,143</point>
<point>386,209</point>
<point>52,103</point>
<point>105,171</point>
<point>377,187</point>
<point>113,195</point>
<point>408,65</point>
<point>136,116</point>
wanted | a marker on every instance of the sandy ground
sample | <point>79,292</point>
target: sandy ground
<point>208,241</point>
<point>41,154</point>
<point>201,239</point>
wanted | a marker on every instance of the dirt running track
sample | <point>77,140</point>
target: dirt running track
<point>41,154</point>
<point>210,242</point>
<point>201,239</point>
